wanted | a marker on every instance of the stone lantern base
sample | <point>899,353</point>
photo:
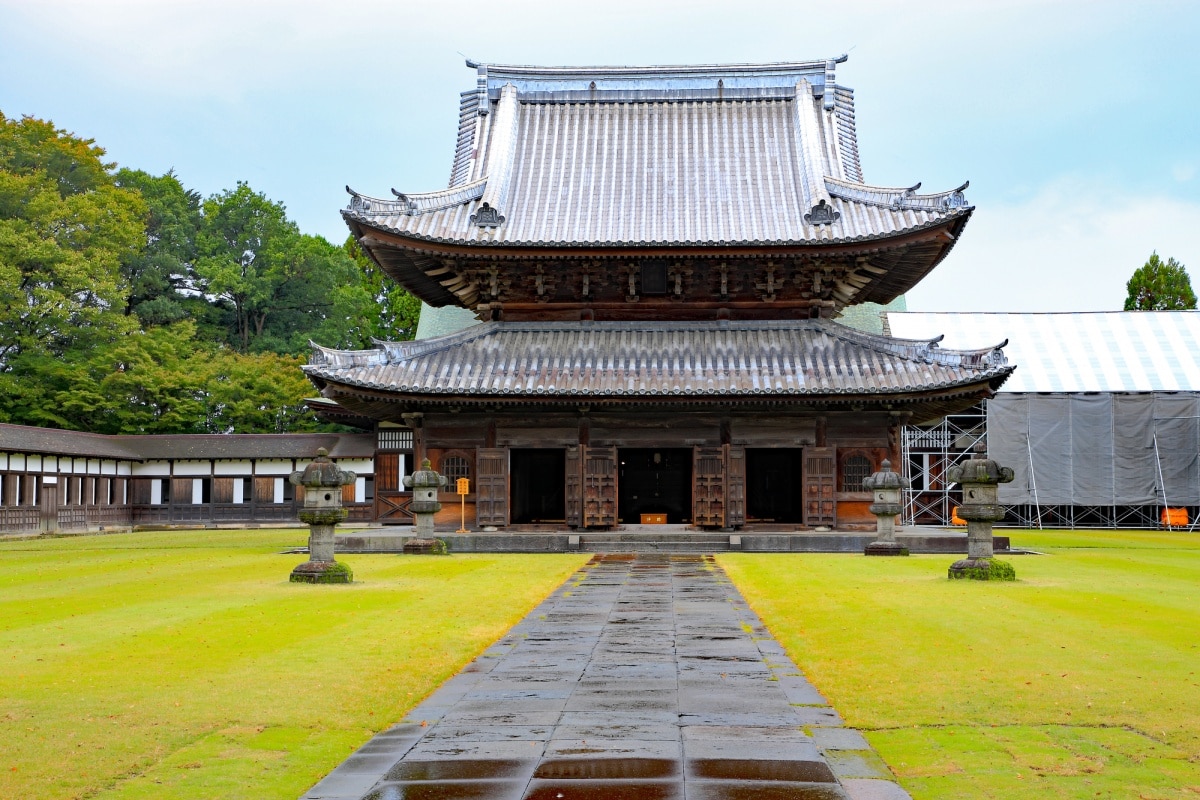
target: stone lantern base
<point>885,548</point>
<point>982,569</point>
<point>322,572</point>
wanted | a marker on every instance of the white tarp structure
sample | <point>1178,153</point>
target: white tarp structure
<point>1103,409</point>
<point>1097,449</point>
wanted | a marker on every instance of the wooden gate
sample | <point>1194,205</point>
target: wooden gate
<point>708,487</point>
<point>491,486</point>
<point>820,481</point>
<point>573,481</point>
<point>599,486</point>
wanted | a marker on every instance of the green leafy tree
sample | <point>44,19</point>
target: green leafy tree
<point>1159,286</point>
<point>395,312</point>
<point>277,286</point>
<point>156,273</point>
<point>65,227</point>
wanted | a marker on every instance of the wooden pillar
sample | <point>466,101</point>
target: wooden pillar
<point>822,429</point>
<point>415,423</point>
<point>726,430</point>
<point>585,428</point>
<point>895,433</point>
<point>489,434</point>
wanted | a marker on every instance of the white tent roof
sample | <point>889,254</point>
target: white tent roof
<point>1105,351</point>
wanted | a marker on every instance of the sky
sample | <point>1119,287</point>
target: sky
<point>1077,122</point>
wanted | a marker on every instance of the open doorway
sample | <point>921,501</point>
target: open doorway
<point>536,485</point>
<point>655,481</point>
<point>773,483</point>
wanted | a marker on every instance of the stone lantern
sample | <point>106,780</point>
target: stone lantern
<point>980,478</point>
<point>887,487</point>
<point>322,482</point>
<point>425,484</point>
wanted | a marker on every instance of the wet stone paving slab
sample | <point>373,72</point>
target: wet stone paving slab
<point>643,677</point>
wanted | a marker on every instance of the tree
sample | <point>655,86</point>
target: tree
<point>277,286</point>
<point>65,227</point>
<point>156,272</point>
<point>1158,286</point>
<point>395,311</point>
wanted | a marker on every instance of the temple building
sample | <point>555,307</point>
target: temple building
<point>658,258</point>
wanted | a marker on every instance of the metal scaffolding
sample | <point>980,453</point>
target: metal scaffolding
<point>929,452</point>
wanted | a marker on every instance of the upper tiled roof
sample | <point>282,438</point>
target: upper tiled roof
<point>630,360</point>
<point>1104,351</point>
<point>708,155</point>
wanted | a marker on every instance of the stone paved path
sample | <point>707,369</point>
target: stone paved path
<point>644,677</point>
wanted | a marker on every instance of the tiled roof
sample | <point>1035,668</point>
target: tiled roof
<point>1105,351</point>
<point>715,155</point>
<point>26,439</point>
<point>658,359</point>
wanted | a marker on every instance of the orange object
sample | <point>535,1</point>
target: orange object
<point>654,519</point>
<point>1175,517</point>
<point>955,519</point>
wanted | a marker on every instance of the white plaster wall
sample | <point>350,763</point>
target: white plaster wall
<point>155,492</point>
<point>93,466</point>
<point>274,466</point>
<point>197,491</point>
<point>149,468</point>
<point>124,468</point>
<point>3,460</point>
<point>108,467</point>
<point>360,489</point>
<point>17,461</point>
<point>231,466</point>
<point>362,466</point>
<point>193,468</point>
<point>279,490</point>
<point>239,496</point>
<point>33,463</point>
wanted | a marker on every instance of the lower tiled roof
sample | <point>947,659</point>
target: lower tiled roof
<point>718,359</point>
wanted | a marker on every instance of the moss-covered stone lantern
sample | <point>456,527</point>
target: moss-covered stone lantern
<point>322,483</point>
<point>887,487</point>
<point>980,478</point>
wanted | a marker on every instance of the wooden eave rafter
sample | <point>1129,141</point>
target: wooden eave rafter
<point>419,265</point>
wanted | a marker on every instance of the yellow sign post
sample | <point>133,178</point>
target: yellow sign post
<point>464,488</point>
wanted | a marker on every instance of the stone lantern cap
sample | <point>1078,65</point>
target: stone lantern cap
<point>884,479</point>
<point>322,473</point>
<point>979,470</point>
<point>424,478</point>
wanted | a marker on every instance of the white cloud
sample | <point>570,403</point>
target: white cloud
<point>1072,246</point>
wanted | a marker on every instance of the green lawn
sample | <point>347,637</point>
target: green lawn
<point>1080,680</point>
<point>185,665</point>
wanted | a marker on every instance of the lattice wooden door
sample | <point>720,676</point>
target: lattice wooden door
<point>708,487</point>
<point>491,486</point>
<point>820,480</point>
<point>735,486</point>
<point>599,486</point>
<point>573,480</point>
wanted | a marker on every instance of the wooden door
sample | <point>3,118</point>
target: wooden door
<point>708,487</point>
<point>491,486</point>
<point>49,510</point>
<point>573,481</point>
<point>820,481</point>
<point>735,486</point>
<point>599,486</point>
